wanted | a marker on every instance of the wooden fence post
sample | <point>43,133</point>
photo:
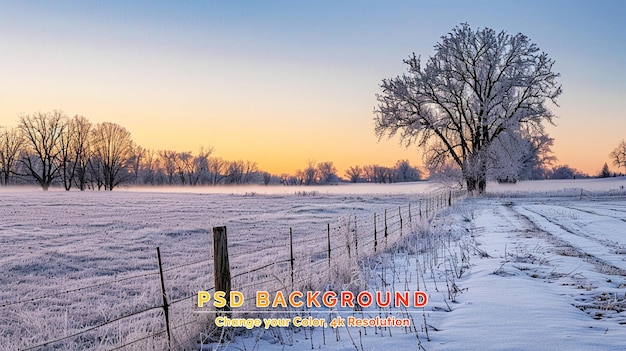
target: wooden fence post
<point>420,210</point>
<point>356,239</point>
<point>375,233</point>
<point>291,254</point>
<point>328,231</point>
<point>400,214</point>
<point>221,265</point>
<point>165,304</point>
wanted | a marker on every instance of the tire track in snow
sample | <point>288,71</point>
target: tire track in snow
<point>598,224</point>
<point>591,212</point>
<point>574,244</point>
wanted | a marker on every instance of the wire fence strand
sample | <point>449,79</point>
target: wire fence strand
<point>349,238</point>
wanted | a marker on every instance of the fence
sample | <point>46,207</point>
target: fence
<point>160,304</point>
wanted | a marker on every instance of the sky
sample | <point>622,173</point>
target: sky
<point>287,82</point>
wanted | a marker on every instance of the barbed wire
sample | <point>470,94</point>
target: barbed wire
<point>138,340</point>
<point>77,289</point>
<point>187,265</point>
<point>89,329</point>
<point>352,234</point>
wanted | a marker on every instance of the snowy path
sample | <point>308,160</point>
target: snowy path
<point>592,232</point>
<point>527,301</point>
<point>541,287</point>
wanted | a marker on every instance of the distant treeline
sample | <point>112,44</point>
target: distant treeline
<point>53,149</point>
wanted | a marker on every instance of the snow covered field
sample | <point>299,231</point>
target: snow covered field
<point>537,265</point>
<point>75,260</point>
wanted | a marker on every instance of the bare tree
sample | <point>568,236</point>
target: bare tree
<point>327,172</point>
<point>369,174</point>
<point>241,172</point>
<point>11,144</point>
<point>354,173</point>
<point>81,149</point>
<point>168,162</point>
<point>217,170</point>
<point>250,173</point>
<point>95,172</point>
<point>378,174</point>
<point>201,166</point>
<point>185,167</point>
<point>73,146</point>
<point>267,178</point>
<point>42,133</point>
<point>383,174</point>
<point>618,156</point>
<point>234,172</point>
<point>112,146</point>
<point>478,85</point>
<point>309,174</point>
<point>136,161</point>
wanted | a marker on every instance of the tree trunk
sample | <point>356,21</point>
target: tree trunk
<point>471,184</point>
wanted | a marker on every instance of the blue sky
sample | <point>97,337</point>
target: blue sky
<point>281,82</point>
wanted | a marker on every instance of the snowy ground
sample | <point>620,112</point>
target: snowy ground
<point>546,271</point>
<point>554,278</point>
<point>73,260</point>
<point>537,265</point>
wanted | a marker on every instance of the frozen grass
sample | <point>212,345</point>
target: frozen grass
<point>74,261</point>
<point>483,263</point>
<point>521,273</point>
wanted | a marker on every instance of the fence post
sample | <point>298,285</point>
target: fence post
<point>165,304</point>
<point>420,210</point>
<point>375,239</point>
<point>400,214</point>
<point>450,199</point>
<point>356,239</point>
<point>328,236</point>
<point>221,264</point>
<point>291,254</point>
<point>410,217</point>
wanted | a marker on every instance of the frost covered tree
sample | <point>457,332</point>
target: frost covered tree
<point>477,86</point>
<point>520,155</point>
<point>618,156</point>
<point>563,172</point>
<point>404,172</point>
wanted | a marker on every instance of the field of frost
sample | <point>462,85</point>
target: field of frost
<point>535,265</point>
<point>80,268</point>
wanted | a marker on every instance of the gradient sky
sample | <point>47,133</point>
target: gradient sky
<point>283,82</point>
